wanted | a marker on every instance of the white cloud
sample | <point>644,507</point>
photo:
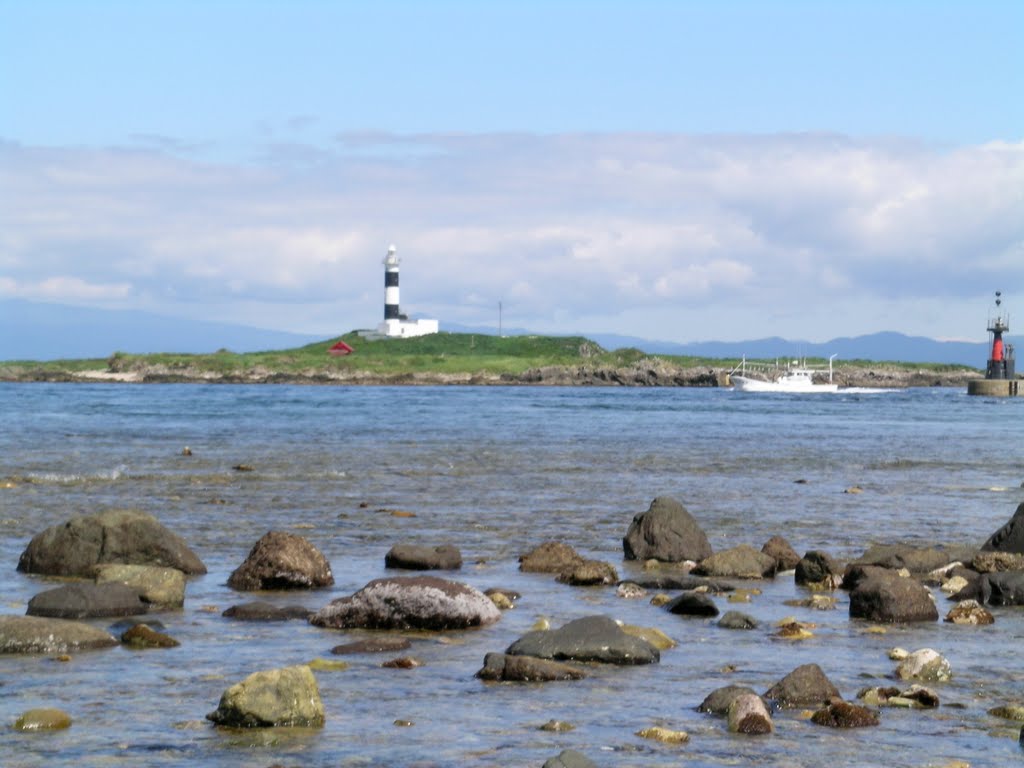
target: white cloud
<point>611,228</point>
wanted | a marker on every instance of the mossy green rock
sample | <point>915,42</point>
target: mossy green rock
<point>273,698</point>
<point>43,719</point>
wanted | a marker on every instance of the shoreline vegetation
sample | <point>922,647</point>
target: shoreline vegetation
<point>459,358</point>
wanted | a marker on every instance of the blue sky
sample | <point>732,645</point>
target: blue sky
<point>681,171</point>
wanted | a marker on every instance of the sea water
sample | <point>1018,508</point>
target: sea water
<point>497,471</point>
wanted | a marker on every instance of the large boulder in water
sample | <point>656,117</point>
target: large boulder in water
<point>593,638</point>
<point>805,686</point>
<point>76,547</point>
<point>888,597</point>
<point>281,560</point>
<point>409,602</point>
<point>666,532</point>
<point>917,560</point>
<point>32,634</point>
<point>995,589</point>
<point>1009,538</point>
<point>274,698</point>
<point>86,601</point>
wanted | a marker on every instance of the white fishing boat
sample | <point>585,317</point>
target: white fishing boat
<point>795,377</point>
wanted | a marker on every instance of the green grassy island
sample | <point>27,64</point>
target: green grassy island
<point>456,358</point>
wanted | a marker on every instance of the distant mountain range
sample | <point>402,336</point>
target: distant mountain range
<point>39,331</point>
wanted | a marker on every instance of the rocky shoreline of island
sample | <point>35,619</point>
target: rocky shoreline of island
<point>650,372</point>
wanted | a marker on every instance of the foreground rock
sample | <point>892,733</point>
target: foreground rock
<point>692,604</point>
<point>31,634</point>
<point>747,714</point>
<point>274,698</point>
<point>818,568</point>
<point>741,562</point>
<point>995,589</point>
<point>805,686</point>
<point>666,532</point>
<point>409,602</point>
<point>282,560</point>
<point>917,560</point>
<point>784,555</point>
<point>593,638</point>
<point>76,547</point>
<point>160,588</point>
<point>841,714</point>
<point>526,669</point>
<point>1009,538</point>
<point>416,557</point>
<point>550,557</point>
<point>926,665</point>
<point>718,701</point>
<point>86,601</point>
<point>888,597</point>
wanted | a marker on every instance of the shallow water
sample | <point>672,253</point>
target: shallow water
<point>497,471</point>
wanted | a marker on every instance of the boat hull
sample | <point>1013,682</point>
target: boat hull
<point>784,384</point>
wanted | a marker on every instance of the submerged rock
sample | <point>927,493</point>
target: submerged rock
<point>273,698</point>
<point>260,610</point>
<point>593,638</point>
<point>85,600</point>
<point>144,636</point>
<point>281,560</point>
<point>569,758</point>
<point>75,547</point>
<point>31,634</point>
<point>409,602</point>
<point>43,719</point>
<point>666,532</point>
<point>526,669</point>
<point>416,557</point>
<point>383,644</point>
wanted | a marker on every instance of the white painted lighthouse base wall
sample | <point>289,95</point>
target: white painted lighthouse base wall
<point>406,328</point>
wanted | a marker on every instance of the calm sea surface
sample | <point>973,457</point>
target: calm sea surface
<point>497,471</point>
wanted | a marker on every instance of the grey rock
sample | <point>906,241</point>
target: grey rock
<point>888,597</point>
<point>717,702</point>
<point>281,560</point>
<point>692,604</point>
<point>1010,537</point>
<point>740,562</point>
<point>737,620</point>
<point>85,601</point>
<point>32,634</point>
<point>409,602</point>
<point>549,557</point>
<point>592,638</point>
<point>666,532</point>
<point>417,557</point>
<point>75,547</point>
<point>259,610</point>
<point>785,556</point>
<point>569,758</point>
<point>162,588</point>
<point>526,669</point>
<point>815,567</point>
<point>805,686</point>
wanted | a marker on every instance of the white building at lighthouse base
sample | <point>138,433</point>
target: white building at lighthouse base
<point>404,329</point>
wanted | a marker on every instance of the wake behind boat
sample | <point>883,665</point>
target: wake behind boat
<point>796,378</point>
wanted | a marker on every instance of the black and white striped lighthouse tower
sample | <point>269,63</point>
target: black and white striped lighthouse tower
<point>391,285</point>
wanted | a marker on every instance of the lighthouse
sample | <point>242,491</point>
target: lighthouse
<point>396,324</point>
<point>1000,378</point>
<point>1000,361</point>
